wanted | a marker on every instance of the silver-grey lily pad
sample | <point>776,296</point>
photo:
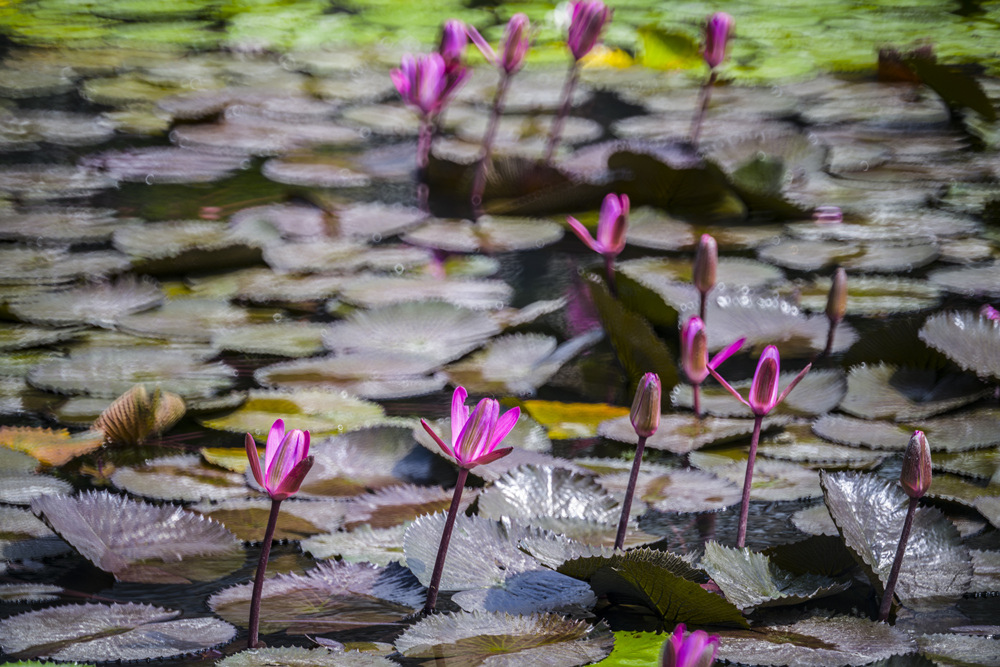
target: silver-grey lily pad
<point>313,171</point>
<point>192,320</point>
<point>395,505</point>
<point>99,304</point>
<point>23,488</point>
<point>45,182</point>
<point>63,225</point>
<point>185,477</point>
<point>869,512</point>
<point>979,280</point>
<point>27,537</point>
<point>297,656</point>
<point>20,336</point>
<point>107,633</point>
<point>139,542</point>
<point>285,339</point>
<point>880,257</point>
<point>797,442</point>
<point>51,266</point>
<point>29,592</point>
<point>483,638</point>
<point>379,546</point>
<point>651,228</point>
<point>884,295</point>
<point>750,580</point>
<point>904,394</point>
<point>488,234</point>
<point>683,490</point>
<point>774,480</point>
<point>532,492</point>
<point>166,165</point>
<point>732,273</point>
<point>246,517</point>
<point>375,291</point>
<point>815,520</point>
<point>681,433</point>
<point>958,649</point>
<point>971,341</point>
<point>980,464</point>
<point>184,245</point>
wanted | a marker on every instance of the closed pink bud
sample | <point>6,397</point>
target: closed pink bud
<point>695,649</point>
<point>515,43</point>
<point>706,264</point>
<point>717,32</point>
<point>764,388</point>
<point>645,414</point>
<point>586,25</point>
<point>836,302</point>
<point>694,350</point>
<point>989,312</point>
<point>915,477</point>
<point>453,42</point>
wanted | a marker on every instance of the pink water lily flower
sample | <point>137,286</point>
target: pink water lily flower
<point>286,460</point>
<point>516,42</point>
<point>717,32</point>
<point>476,434</point>
<point>764,388</point>
<point>696,649</point>
<point>694,351</point>
<point>585,27</point>
<point>453,42</point>
<point>612,226</point>
<point>423,82</point>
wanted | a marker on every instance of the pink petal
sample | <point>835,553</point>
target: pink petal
<point>459,413</point>
<point>728,387</point>
<point>480,443</point>
<point>791,385</point>
<point>481,44</point>
<point>285,459</point>
<point>254,458</point>
<point>489,458</point>
<point>441,443</point>
<point>274,439</point>
<point>504,426</point>
<point>726,353</point>
<point>583,234</point>
<point>293,480</point>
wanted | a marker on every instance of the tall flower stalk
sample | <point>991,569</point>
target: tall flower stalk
<point>286,462</point>
<point>612,227</point>
<point>694,357</point>
<point>587,22</point>
<point>915,478</point>
<point>511,59</point>
<point>836,306</point>
<point>763,398</point>
<point>645,417</point>
<point>474,440</point>
<point>718,29</point>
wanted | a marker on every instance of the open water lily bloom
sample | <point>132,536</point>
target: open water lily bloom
<point>695,649</point>
<point>476,434</point>
<point>286,460</point>
<point>423,82</point>
<point>764,388</point>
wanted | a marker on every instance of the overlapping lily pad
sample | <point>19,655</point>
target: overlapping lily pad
<point>166,165</point>
<point>296,656</point>
<point>884,295</point>
<point>104,633</point>
<point>27,537</point>
<point>98,304</point>
<point>190,320</point>
<point>680,434</point>
<point>285,339</point>
<point>869,512</point>
<point>395,505</point>
<point>904,394</point>
<point>774,480</point>
<point>370,374</point>
<point>379,546</point>
<point>683,490</point>
<point>488,234</point>
<point>878,257</point>
<point>330,597</point>
<point>376,291</point>
<point>246,518</point>
<point>48,266</point>
<point>63,225</point>
<point>135,541</point>
<point>957,649</point>
<point>49,446</point>
<point>183,477</point>
<point>978,280</point>
<point>184,245</point>
<point>971,341</point>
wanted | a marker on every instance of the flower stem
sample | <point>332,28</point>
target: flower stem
<point>696,390</point>
<point>829,339</point>
<point>424,139</point>
<point>479,181</point>
<point>890,584</point>
<point>609,269</point>
<point>704,97</point>
<point>567,99</point>
<point>258,579</point>
<point>449,525</point>
<point>701,307</point>
<point>629,492</point>
<point>741,532</point>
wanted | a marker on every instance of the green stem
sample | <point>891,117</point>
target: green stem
<point>741,532</point>
<point>890,584</point>
<point>258,580</point>
<point>629,492</point>
<point>449,525</point>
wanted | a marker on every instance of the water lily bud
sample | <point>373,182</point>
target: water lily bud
<point>515,43</point>
<point>915,477</point>
<point>827,215</point>
<point>645,414</point>
<point>764,388</point>
<point>587,22</point>
<point>694,649</point>
<point>706,264</point>
<point>717,32</point>
<point>453,42</point>
<point>694,350</point>
<point>989,312</point>
<point>836,302</point>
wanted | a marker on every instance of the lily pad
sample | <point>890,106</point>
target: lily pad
<point>821,640</point>
<point>681,490</point>
<point>63,225</point>
<point>330,597</point>
<point>480,638</point>
<point>25,536</point>
<point>34,182</point>
<point>104,633</point>
<point>904,394</point>
<point>750,580</point>
<point>184,245</point>
<point>98,305</point>
<point>297,656</point>
<point>680,433</point>
<point>869,512</point>
<point>879,257</point>
<point>650,228</point>
<point>375,291</point>
<point>165,165</point>
<point>798,443</point>
<point>488,234</point>
<point>189,320</point>
<point>774,480</point>
<point>20,336</point>
<point>968,339</point>
<point>872,296</point>
<point>395,505</point>
<point>29,592</point>
<point>815,520</point>
<point>285,339</point>
<point>50,266</point>
<point>379,546</point>
<point>139,542</point>
<point>183,477</point>
<point>50,447</point>
<point>530,493</point>
<point>368,374</point>
<point>246,518</point>
<point>566,421</point>
<point>23,488</point>
<point>957,649</point>
<point>978,280</point>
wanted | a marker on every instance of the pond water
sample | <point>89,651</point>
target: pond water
<point>219,200</point>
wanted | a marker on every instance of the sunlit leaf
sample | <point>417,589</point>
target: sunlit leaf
<point>49,446</point>
<point>572,420</point>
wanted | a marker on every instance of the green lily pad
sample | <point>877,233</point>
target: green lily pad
<point>635,649</point>
<point>750,580</point>
<point>869,514</point>
<point>139,542</point>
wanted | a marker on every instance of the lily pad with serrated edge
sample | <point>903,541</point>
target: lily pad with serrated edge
<point>875,434</point>
<point>819,392</point>
<point>472,638</point>
<point>732,272</point>
<point>103,633</point>
<point>869,512</point>
<point>379,546</point>
<point>21,336</point>
<point>872,296</point>
<point>155,164</point>
<point>820,640</point>
<point>905,394</point>
<point>438,331</point>
<point>971,341</point>
<point>553,550</point>
<point>681,433</point>
<point>750,580</point>
<point>955,489</point>
<point>989,507</point>
<point>29,592</point>
<point>261,136</point>
<point>25,536</point>
<point>246,518</point>
<point>980,464</point>
<point>97,304</point>
<point>651,228</point>
<point>108,372</point>
<point>326,255</point>
<point>51,266</point>
<point>881,257</point>
<point>35,182</point>
<point>815,520</point>
<point>139,542</point>
<point>330,597</point>
<point>516,364</point>
<point>530,492</point>
<point>566,421</point>
<point>375,220</point>
<point>50,447</point>
<point>683,490</point>
<point>488,234</point>
<point>285,339</point>
<point>488,569</point>
<point>319,412</point>
<point>185,478</point>
<point>985,571</point>
<point>957,649</point>
<point>774,480</point>
<point>826,555</point>
<point>395,505</point>
<point>375,291</point>
<point>979,280</point>
<point>183,246</point>
<point>264,285</point>
<point>186,320</point>
<point>797,442</point>
<point>297,656</point>
<point>22,488</point>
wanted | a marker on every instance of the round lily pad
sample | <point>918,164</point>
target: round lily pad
<point>815,520</point>
<point>876,257</point>
<point>684,490</point>
<point>369,374</point>
<point>978,280</point>
<point>166,165</point>
<point>97,304</point>
<point>194,320</point>
<point>904,394</point>
<point>246,135</point>
<point>313,172</point>
<point>19,336</point>
<point>732,272</point>
<point>23,488</point>
<point>680,433</point>
<point>956,649</point>
<point>183,477</point>
<point>379,546</point>
<point>871,296</point>
<point>488,234</point>
<point>774,480</point>
<point>650,228</point>
<point>375,291</point>
<point>968,339</point>
<point>184,245</point>
<point>285,339</point>
<point>297,656</point>
<point>530,492</point>
<point>797,442</point>
<point>49,266</point>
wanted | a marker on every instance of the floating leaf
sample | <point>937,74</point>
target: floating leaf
<point>635,649</point>
<point>191,320</point>
<point>971,341</point>
<point>566,421</point>
<point>367,374</point>
<point>22,488</point>
<point>375,291</point>
<point>475,638</point>
<point>379,546</point>
<point>488,234</point>
<point>296,656</point>
<point>285,339</point>
<point>774,480</point>
<point>20,336</point>
<point>989,507</point>
<point>750,580</point>
<point>51,266</point>
<point>165,165</point>
<point>105,633</point>
<point>798,443</point>
<point>330,597</point>
<point>184,245</point>
<point>978,280</point>
<point>396,505</point>
<point>821,640</point>
<point>683,490</point>
<point>183,477</point>
<point>539,492</point>
<point>49,446</point>
<point>136,416</point>
<point>869,514</point>
<point>26,537</point>
<point>872,296</point>
<point>246,518</point>
<point>139,542</point>
<point>957,649</point>
<point>881,257</point>
<point>97,304</point>
<point>29,592</point>
<point>905,394</point>
<point>681,433</point>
